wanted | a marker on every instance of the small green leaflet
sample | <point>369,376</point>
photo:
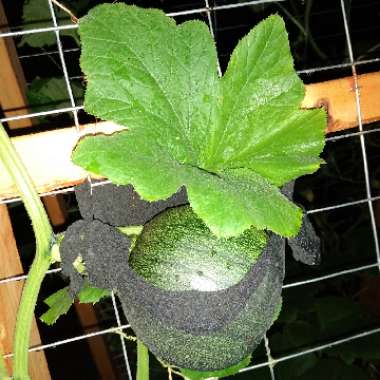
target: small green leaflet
<point>60,302</point>
<point>90,294</point>
<point>197,375</point>
<point>232,141</point>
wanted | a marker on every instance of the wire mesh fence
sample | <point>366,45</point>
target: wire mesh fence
<point>209,11</point>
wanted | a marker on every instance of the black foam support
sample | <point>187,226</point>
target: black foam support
<point>306,246</point>
<point>201,330</point>
<point>121,205</point>
<point>185,315</point>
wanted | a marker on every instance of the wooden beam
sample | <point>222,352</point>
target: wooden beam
<point>12,78</point>
<point>338,97</point>
<point>97,345</point>
<point>56,209</point>
<point>47,154</point>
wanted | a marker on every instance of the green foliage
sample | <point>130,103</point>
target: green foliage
<point>294,368</point>
<point>51,93</point>
<point>366,349</point>
<point>36,14</point>
<point>332,311</point>
<point>333,369</point>
<point>309,318</point>
<point>231,141</point>
<point>59,304</point>
<point>90,294</point>
<point>197,375</point>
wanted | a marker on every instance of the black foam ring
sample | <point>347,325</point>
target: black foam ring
<point>191,329</point>
<point>306,246</point>
<point>115,206</point>
<point>288,189</point>
<point>218,328</point>
<point>121,205</point>
<point>208,330</point>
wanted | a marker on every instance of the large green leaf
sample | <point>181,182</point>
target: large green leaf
<point>230,141</point>
<point>145,72</point>
<point>229,201</point>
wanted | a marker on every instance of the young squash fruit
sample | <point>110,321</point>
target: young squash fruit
<point>228,290</point>
<point>176,251</point>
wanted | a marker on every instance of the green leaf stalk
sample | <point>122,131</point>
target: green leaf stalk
<point>43,233</point>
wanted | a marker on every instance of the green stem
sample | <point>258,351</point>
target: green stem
<point>43,233</point>
<point>142,362</point>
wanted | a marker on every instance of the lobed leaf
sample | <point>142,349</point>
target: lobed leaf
<point>229,201</point>
<point>231,141</point>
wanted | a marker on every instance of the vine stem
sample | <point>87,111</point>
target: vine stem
<point>43,233</point>
<point>142,361</point>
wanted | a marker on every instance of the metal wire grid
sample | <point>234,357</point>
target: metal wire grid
<point>77,126</point>
<point>80,107</point>
<point>361,134</point>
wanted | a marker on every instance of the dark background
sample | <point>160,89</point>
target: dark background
<point>312,314</point>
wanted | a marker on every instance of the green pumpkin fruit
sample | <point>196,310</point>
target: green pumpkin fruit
<point>200,302</point>
<point>176,251</point>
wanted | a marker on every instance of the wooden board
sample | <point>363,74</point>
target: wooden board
<point>338,98</point>
<point>12,78</point>
<point>97,345</point>
<point>47,154</point>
